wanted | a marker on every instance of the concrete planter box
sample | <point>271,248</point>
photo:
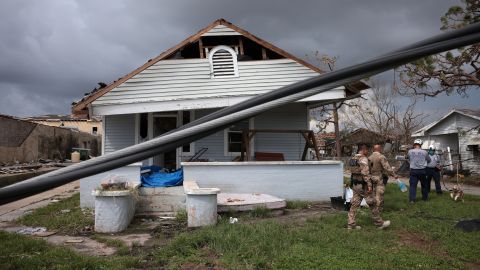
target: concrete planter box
<point>88,184</point>
<point>291,180</point>
<point>114,210</point>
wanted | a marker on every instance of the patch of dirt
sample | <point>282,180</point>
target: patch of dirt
<point>419,242</point>
<point>211,264</point>
<point>299,216</point>
<point>82,245</point>
<point>472,266</point>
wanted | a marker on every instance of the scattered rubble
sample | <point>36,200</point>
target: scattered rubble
<point>31,230</point>
<point>18,168</point>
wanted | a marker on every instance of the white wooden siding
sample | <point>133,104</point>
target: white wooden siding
<point>452,124</point>
<point>221,30</point>
<point>119,132</point>
<point>470,161</point>
<point>190,79</point>
<point>292,116</point>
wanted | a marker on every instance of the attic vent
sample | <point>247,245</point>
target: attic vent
<point>223,62</point>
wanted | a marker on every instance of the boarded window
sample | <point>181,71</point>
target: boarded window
<point>223,62</point>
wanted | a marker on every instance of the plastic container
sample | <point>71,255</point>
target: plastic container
<point>202,207</point>
<point>75,157</point>
<point>402,186</point>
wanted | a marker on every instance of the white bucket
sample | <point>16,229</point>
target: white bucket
<point>75,157</point>
<point>202,207</point>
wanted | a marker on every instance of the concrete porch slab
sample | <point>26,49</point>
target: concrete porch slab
<point>239,202</point>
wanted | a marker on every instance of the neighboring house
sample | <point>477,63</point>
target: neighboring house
<point>26,141</point>
<point>219,66</point>
<point>92,125</point>
<point>351,141</point>
<point>326,143</point>
<point>458,131</point>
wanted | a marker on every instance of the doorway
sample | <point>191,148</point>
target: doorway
<point>162,123</point>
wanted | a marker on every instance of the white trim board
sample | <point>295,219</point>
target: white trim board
<point>194,104</point>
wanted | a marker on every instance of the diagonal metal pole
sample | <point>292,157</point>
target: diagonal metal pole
<point>178,138</point>
<point>281,92</point>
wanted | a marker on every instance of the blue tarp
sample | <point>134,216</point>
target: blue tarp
<point>157,178</point>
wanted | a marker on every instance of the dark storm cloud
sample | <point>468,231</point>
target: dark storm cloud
<point>52,52</point>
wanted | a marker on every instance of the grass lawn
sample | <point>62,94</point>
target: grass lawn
<point>422,236</point>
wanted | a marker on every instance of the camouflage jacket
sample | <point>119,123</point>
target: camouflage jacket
<point>362,168</point>
<point>379,165</point>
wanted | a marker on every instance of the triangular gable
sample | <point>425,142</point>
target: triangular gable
<point>217,28</point>
<point>221,30</point>
<point>421,132</point>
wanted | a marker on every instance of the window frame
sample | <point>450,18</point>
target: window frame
<point>192,144</point>
<point>226,153</point>
<point>234,59</point>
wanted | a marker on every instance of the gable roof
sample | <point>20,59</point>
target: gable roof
<point>475,114</point>
<point>81,106</point>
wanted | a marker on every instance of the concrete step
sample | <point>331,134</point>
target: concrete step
<point>239,202</point>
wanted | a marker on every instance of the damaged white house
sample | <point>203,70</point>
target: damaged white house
<point>219,66</point>
<point>457,136</point>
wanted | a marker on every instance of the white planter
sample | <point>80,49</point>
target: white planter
<point>114,210</point>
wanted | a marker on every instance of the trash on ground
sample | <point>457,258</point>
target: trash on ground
<point>74,241</point>
<point>471,225</point>
<point>44,234</point>
<point>233,220</point>
<point>32,230</point>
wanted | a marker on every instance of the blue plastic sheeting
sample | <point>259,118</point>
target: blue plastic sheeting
<point>157,178</point>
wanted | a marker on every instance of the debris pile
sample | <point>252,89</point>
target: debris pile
<point>18,168</point>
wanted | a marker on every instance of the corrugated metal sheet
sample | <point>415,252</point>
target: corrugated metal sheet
<point>190,79</point>
<point>119,132</point>
<point>221,30</point>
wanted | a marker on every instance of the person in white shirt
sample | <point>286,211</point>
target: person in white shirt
<point>433,170</point>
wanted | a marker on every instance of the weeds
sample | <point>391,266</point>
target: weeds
<point>65,216</point>
<point>298,204</point>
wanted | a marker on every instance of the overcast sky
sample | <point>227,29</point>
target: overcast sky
<point>52,52</point>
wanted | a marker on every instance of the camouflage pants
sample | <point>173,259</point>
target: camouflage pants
<point>360,192</point>
<point>378,191</point>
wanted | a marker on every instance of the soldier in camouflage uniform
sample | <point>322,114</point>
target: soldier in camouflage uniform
<point>379,166</point>
<point>362,188</point>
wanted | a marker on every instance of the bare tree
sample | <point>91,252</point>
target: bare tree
<point>382,114</point>
<point>329,114</point>
<point>453,71</point>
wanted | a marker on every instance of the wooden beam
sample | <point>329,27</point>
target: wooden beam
<point>200,47</point>
<point>240,45</point>
<point>315,146</point>
<point>264,54</point>
<point>247,146</point>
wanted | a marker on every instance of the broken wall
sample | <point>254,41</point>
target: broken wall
<point>24,141</point>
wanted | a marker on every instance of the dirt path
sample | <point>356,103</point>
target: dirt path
<point>14,210</point>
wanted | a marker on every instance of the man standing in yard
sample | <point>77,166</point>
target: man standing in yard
<point>433,170</point>
<point>378,167</point>
<point>418,162</point>
<point>362,187</point>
